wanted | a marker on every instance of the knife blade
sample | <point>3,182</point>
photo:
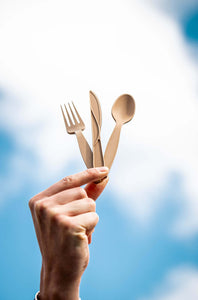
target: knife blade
<point>96,121</point>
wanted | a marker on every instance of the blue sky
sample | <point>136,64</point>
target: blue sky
<point>145,246</point>
<point>190,27</point>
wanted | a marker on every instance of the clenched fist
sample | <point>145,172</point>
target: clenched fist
<point>64,217</point>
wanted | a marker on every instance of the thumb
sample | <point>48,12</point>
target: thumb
<point>94,190</point>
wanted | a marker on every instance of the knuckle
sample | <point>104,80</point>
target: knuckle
<point>95,217</point>
<point>82,193</point>
<point>60,220</point>
<point>34,200</point>
<point>68,180</point>
<point>91,172</point>
<point>68,224</point>
<point>31,203</point>
<point>40,207</point>
<point>56,217</point>
<point>91,203</point>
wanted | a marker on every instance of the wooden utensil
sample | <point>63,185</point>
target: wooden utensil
<point>76,126</point>
<point>96,121</point>
<point>122,111</point>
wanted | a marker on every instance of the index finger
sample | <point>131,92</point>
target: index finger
<point>76,180</point>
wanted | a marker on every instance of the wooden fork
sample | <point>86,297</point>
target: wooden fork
<point>76,127</point>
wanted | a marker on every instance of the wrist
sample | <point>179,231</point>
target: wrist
<point>56,292</point>
<point>55,286</point>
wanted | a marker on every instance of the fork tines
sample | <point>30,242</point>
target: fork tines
<point>72,124</point>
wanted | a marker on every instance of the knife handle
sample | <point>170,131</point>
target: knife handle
<point>112,146</point>
<point>85,149</point>
<point>98,160</point>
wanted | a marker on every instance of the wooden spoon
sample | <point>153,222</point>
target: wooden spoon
<point>122,111</point>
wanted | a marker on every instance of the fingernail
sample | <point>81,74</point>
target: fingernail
<point>103,169</point>
<point>101,180</point>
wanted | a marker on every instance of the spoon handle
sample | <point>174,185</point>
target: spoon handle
<point>112,146</point>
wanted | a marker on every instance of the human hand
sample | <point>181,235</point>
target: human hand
<point>64,218</point>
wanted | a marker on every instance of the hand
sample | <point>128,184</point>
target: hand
<point>64,218</point>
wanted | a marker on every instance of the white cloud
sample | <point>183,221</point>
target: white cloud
<point>180,284</point>
<point>52,52</point>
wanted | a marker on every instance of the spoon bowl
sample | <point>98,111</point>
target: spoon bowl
<point>123,109</point>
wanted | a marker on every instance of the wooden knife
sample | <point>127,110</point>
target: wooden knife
<point>96,121</point>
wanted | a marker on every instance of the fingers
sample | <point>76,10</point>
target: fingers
<point>61,198</point>
<point>94,190</point>
<point>76,180</point>
<point>87,221</point>
<point>67,196</point>
<point>75,208</point>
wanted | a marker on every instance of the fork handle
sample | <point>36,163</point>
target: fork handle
<point>85,149</point>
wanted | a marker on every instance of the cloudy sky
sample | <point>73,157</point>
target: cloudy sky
<point>145,246</point>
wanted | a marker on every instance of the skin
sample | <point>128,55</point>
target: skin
<point>64,217</point>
